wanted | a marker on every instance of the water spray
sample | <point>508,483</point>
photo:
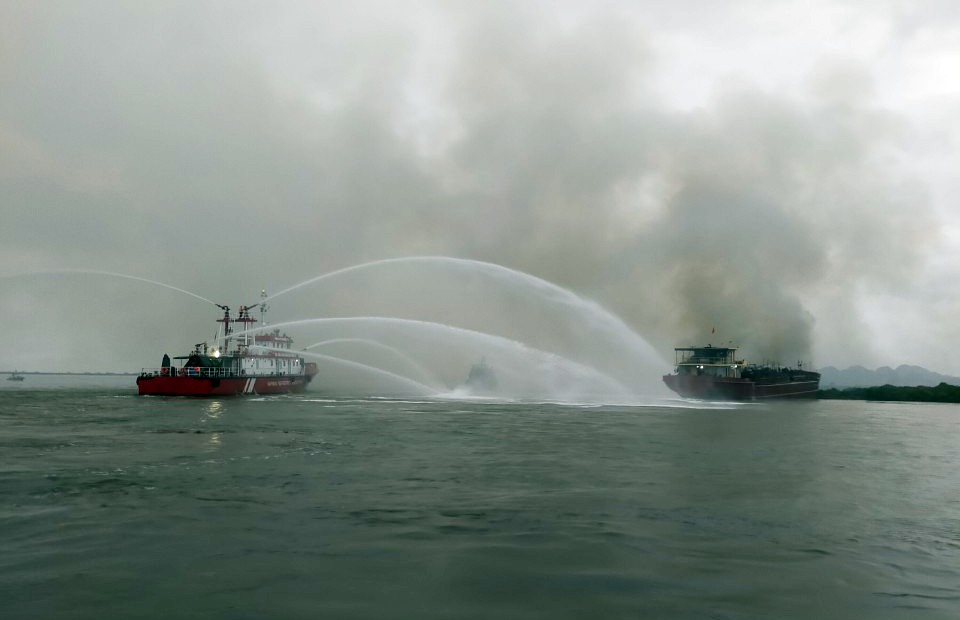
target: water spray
<point>420,387</point>
<point>383,347</point>
<point>112,274</point>
<point>601,318</point>
<point>550,361</point>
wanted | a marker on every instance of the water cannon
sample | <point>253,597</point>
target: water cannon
<point>244,315</point>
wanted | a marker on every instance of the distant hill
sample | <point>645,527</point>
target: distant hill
<point>904,375</point>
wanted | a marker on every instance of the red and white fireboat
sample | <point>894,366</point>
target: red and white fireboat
<point>260,363</point>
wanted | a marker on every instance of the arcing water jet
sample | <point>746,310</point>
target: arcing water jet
<point>109,273</point>
<point>602,322</point>
<point>423,372</point>
<point>419,388</point>
<point>532,372</point>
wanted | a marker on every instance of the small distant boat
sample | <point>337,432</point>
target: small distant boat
<point>715,373</point>
<point>15,376</point>
<point>481,379</point>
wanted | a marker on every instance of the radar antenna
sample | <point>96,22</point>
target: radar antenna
<point>263,307</point>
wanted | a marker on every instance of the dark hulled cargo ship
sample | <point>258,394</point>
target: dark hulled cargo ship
<point>714,373</point>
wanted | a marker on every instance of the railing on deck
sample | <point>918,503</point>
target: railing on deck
<point>212,373</point>
<point>191,371</point>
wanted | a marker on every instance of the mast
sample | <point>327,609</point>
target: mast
<point>226,326</point>
<point>247,320</point>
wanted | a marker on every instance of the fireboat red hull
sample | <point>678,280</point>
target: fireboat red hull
<point>160,385</point>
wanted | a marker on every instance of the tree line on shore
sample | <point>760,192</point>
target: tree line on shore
<point>942,393</point>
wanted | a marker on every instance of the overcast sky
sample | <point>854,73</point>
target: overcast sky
<point>784,173</point>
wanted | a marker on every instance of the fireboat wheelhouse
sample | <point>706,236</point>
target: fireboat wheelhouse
<point>260,363</point>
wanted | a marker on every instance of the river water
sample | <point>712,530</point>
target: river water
<point>118,506</point>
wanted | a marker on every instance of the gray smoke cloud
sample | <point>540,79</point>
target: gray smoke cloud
<point>223,148</point>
